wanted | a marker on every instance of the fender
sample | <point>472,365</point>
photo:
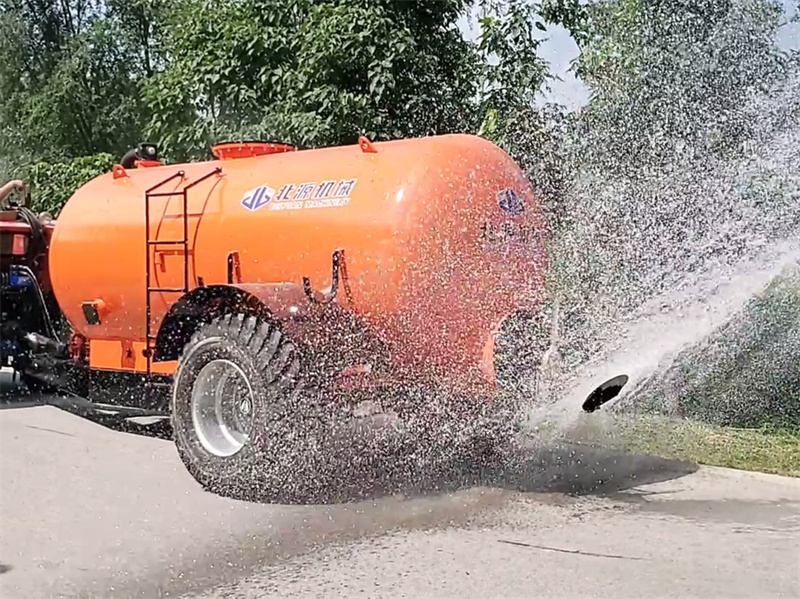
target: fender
<point>282,302</point>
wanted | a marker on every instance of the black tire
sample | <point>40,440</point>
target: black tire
<point>270,363</point>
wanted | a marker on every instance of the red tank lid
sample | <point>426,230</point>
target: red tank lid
<point>148,163</point>
<point>248,149</point>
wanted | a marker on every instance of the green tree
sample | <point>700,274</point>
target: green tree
<point>513,71</point>
<point>311,72</point>
<point>94,77</point>
<point>52,184</point>
<point>673,78</point>
<point>86,76</point>
<point>69,80</point>
<point>513,75</point>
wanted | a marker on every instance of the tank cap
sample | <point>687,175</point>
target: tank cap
<point>148,163</point>
<point>248,149</point>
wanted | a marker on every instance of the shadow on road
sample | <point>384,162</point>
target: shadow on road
<point>348,469</point>
<point>570,469</point>
<point>15,395</point>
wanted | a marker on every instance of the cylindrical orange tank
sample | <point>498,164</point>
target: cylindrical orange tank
<point>442,235</point>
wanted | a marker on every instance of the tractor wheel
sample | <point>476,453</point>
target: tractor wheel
<point>235,406</point>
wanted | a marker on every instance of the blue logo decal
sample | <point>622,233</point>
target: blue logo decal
<point>510,202</point>
<point>258,198</point>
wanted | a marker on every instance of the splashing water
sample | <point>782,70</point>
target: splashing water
<point>649,341</point>
<point>698,243</point>
<point>681,253</point>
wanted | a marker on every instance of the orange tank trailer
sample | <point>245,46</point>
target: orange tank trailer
<point>442,240</point>
<point>264,294</point>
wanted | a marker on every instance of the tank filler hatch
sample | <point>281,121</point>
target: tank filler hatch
<point>248,149</point>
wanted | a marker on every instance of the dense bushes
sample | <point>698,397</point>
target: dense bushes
<point>52,184</point>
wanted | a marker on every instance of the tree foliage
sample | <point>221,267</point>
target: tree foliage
<point>69,80</point>
<point>673,79</point>
<point>52,183</point>
<point>88,76</point>
<point>312,72</point>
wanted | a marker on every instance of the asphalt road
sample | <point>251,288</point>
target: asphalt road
<point>87,511</point>
<point>91,512</point>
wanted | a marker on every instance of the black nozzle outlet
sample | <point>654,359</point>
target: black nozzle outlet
<point>604,393</point>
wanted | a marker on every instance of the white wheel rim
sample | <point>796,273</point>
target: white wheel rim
<point>222,408</point>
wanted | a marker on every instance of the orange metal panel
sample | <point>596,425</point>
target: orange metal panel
<point>110,354</point>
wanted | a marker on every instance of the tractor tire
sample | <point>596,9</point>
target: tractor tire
<point>235,408</point>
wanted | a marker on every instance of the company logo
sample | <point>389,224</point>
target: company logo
<point>508,232</point>
<point>299,196</point>
<point>258,198</point>
<point>510,202</point>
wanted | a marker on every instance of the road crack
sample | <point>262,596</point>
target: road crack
<point>571,551</point>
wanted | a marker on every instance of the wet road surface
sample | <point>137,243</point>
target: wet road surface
<point>92,512</point>
<point>673,539</point>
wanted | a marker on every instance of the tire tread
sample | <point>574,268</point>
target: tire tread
<point>276,360</point>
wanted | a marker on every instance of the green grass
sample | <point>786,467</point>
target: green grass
<point>761,450</point>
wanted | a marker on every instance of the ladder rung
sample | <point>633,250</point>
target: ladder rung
<point>164,194</point>
<point>150,193</point>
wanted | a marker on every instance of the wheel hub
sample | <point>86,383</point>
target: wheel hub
<point>245,406</point>
<point>222,406</point>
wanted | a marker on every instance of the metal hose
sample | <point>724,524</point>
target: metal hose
<point>48,321</point>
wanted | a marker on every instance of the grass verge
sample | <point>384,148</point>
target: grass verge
<point>761,450</point>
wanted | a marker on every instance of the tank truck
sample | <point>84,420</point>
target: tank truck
<point>232,294</point>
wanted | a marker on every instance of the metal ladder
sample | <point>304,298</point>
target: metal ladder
<point>151,242</point>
